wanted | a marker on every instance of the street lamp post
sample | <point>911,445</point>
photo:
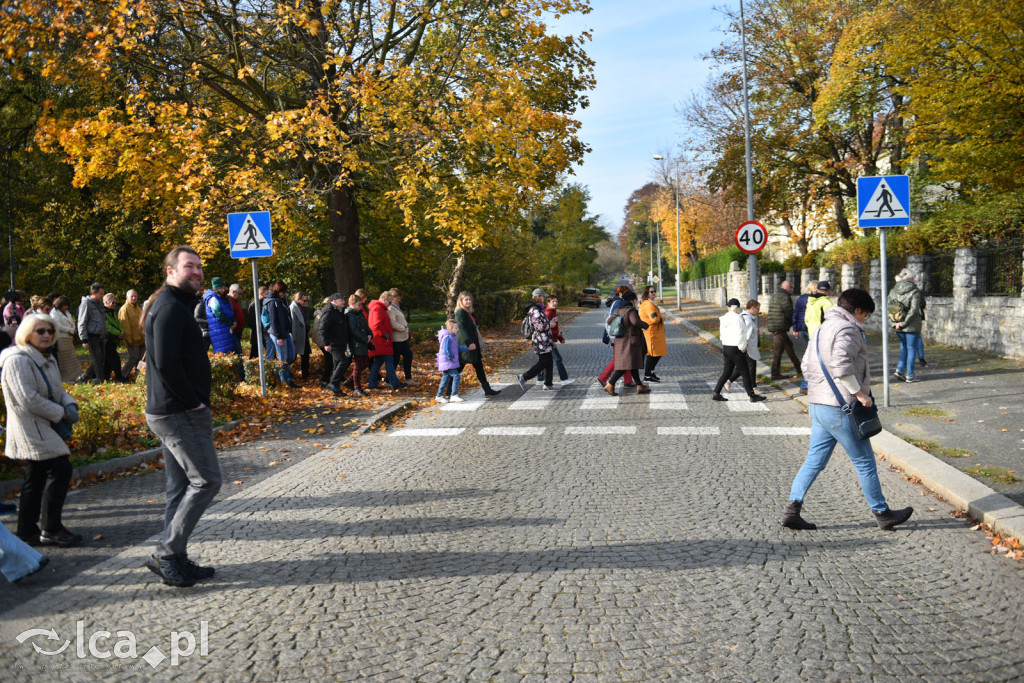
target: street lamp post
<point>660,293</point>
<point>679,265</point>
<point>752,259</point>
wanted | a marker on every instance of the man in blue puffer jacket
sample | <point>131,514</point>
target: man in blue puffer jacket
<point>220,316</point>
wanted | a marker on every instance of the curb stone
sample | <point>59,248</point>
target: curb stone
<point>380,415</point>
<point>961,490</point>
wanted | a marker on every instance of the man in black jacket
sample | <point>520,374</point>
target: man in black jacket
<point>178,382</point>
<point>780,317</point>
<point>334,331</point>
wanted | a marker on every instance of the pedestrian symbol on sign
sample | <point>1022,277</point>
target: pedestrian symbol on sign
<point>883,201</point>
<point>250,237</point>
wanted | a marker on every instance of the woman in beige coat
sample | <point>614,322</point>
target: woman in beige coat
<point>70,367</point>
<point>36,400</point>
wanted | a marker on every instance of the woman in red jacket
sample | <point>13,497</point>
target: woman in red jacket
<point>383,351</point>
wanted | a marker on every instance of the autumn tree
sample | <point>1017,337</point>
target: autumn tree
<point>458,114</point>
<point>568,234</point>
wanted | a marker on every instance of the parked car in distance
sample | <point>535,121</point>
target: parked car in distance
<point>590,296</point>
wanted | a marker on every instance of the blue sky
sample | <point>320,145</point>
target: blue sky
<point>648,60</point>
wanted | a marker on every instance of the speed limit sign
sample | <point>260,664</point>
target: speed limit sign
<point>751,237</point>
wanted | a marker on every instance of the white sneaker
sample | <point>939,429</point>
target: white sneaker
<point>567,381</point>
<point>456,399</point>
<point>727,387</point>
<point>440,399</point>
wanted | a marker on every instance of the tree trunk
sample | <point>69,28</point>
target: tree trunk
<point>455,285</point>
<point>343,220</point>
<point>840,206</point>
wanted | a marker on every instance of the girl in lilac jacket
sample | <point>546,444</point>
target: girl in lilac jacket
<point>448,360</point>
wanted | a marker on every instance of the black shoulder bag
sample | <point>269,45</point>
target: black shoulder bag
<point>865,420</point>
<point>62,427</point>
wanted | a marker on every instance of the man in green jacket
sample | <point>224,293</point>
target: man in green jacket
<point>780,319</point>
<point>905,316</point>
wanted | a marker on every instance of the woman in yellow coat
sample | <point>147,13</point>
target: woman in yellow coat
<point>654,334</point>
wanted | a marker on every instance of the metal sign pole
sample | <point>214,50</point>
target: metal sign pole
<point>885,317</point>
<point>259,327</point>
<point>752,258</point>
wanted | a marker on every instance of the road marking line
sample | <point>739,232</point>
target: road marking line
<point>740,404</point>
<point>535,398</point>
<point>436,431</point>
<point>689,431</point>
<point>512,431</point>
<point>668,397</point>
<point>601,429</point>
<point>599,399</point>
<point>472,402</point>
<point>777,431</point>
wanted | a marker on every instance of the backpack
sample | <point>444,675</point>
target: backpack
<point>526,327</point>
<point>617,327</point>
<point>265,317</point>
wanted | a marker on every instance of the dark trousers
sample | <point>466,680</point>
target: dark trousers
<point>328,365</point>
<point>403,352</point>
<point>97,353</point>
<point>650,363</point>
<point>304,363</point>
<point>254,348</point>
<point>359,363</point>
<point>783,343</point>
<point>545,363</point>
<point>615,376</point>
<point>42,495</point>
<point>734,358</point>
<point>481,374</point>
<point>752,366</point>
<point>112,361</point>
<point>339,364</point>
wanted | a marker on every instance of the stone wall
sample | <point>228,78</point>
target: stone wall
<point>990,324</point>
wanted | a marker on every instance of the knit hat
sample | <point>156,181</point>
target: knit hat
<point>628,296</point>
<point>217,283</point>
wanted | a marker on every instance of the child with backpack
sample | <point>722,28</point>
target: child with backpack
<point>448,361</point>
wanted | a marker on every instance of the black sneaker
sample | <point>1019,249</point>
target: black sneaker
<point>492,392</point>
<point>655,377</point>
<point>651,378</point>
<point>754,398</point>
<point>899,375</point>
<point>170,570</point>
<point>63,538</point>
<point>923,362</point>
<point>196,571</point>
<point>718,397</point>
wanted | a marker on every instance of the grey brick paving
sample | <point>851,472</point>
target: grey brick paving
<point>560,557</point>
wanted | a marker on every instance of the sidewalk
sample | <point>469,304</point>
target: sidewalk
<point>966,411</point>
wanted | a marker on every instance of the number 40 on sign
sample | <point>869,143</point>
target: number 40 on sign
<point>751,237</point>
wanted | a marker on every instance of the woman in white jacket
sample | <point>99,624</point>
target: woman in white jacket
<point>734,336</point>
<point>750,321</point>
<point>36,401</point>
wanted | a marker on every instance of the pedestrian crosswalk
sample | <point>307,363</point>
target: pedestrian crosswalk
<point>668,396</point>
<point>596,430</point>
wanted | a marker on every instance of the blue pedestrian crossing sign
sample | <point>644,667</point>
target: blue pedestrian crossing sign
<point>883,201</point>
<point>249,234</point>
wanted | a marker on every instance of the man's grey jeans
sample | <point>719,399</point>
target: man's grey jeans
<point>193,474</point>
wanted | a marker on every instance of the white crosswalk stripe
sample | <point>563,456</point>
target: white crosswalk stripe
<point>601,429</point>
<point>599,399</point>
<point>777,431</point>
<point>512,431</point>
<point>471,402</point>
<point>535,398</point>
<point>738,402</point>
<point>668,396</point>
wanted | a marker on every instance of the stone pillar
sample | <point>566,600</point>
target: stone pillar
<point>766,286</point>
<point>737,283</point>
<point>918,265</point>
<point>807,275</point>
<point>965,277</point>
<point>828,274</point>
<point>850,276</point>
<point>875,280</point>
<point>794,279</point>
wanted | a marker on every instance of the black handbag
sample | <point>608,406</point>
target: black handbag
<point>864,419</point>
<point>63,428</point>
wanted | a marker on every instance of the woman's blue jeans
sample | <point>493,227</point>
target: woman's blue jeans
<point>908,352</point>
<point>389,369</point>
<point>284,353</point>
<point>829,425</point>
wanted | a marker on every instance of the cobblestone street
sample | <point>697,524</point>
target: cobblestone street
<point>556,536</point>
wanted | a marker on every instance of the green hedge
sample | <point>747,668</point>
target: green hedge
<point>715,263</point>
